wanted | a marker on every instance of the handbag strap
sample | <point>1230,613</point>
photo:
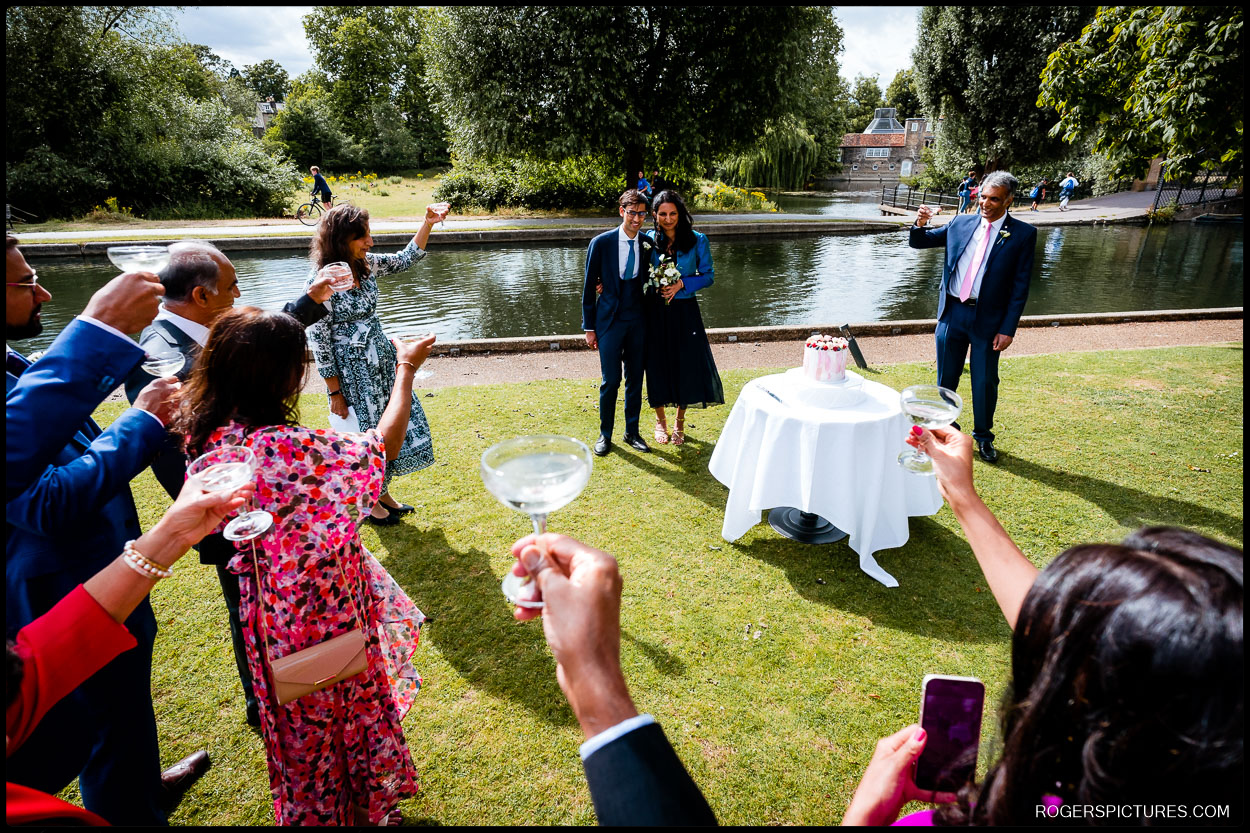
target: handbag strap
<point>260,596</point>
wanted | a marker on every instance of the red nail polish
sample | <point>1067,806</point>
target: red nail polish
<point>917,430</point>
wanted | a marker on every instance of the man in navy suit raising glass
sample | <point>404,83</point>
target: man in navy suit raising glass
<point>985,284</point>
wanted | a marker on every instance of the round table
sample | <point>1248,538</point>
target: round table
<point>825,450</point>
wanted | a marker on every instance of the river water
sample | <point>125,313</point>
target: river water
<point>461,292</point>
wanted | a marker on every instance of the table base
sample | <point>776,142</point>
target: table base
<point>805,527</point>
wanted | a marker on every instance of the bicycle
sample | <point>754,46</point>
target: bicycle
<point>310,212</point>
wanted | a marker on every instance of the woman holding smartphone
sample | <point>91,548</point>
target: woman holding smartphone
<point>1126,687</point>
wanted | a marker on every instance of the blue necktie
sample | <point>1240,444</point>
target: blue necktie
<point>629,263</point>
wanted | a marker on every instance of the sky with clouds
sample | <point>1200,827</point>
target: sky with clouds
<point>878,39</point>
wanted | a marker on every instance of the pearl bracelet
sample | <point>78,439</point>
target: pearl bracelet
<point>143,565</point>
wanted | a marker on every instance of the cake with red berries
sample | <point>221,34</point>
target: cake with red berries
<point>824,359</point>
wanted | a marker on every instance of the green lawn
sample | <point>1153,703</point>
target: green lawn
<point>777,729</point>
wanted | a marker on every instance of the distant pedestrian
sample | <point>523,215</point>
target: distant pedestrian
<point>1038,194</point>
<point>1066,186</point>
<point>644,187</point>
<point>965,191</point>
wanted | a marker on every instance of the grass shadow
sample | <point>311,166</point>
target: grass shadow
<point>694,481</point>
<point>1130,507</point>
<point>664,662</point>
<point>941,594</point>
<point>471,624</point>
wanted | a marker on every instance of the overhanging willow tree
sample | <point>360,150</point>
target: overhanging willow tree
<point>644,84</point>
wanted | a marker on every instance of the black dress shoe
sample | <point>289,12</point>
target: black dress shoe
<point>389,520</point>
<point>178,778</point>
<point>636,442</point>
<point>401,509</point>
<point>602,445</point>
<point>987,451</point>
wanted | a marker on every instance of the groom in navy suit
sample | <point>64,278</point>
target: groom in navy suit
<point>617,265</point>
<point>985,284</point>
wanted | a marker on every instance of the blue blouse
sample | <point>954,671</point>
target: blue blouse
<point>695,266</point>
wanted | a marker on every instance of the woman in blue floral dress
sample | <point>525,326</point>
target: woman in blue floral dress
<point>352,353</point>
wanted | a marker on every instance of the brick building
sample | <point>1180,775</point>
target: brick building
<point>885,151</point>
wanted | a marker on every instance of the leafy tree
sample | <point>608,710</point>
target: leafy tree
<point>659,84</point>
<point>902,95</point>
<point>977,67</point>
<point>372,59</point>
<point>864,99</point>
<point>212,62</point>
<point>1147,81</point>
<point>308,132</point>
<point>240,99</point>
<point>105,101</point>
<point>267,78</point>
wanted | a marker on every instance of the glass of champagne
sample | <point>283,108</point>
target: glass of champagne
<point>421,372</point>
<point>536,475</point>
<point>139,258</point>
<point>340,275</point>
<point>163,361</point>
<point>442,208</point>
<point>928,406</point>
<point>226,468</point>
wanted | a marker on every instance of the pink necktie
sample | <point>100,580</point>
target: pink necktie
<point>966,288</point>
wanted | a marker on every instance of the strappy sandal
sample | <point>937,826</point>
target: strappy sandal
<point>661,433</point>
<point>679,436</point>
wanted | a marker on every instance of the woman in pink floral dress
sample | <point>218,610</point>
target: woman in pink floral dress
<point>336,756</point>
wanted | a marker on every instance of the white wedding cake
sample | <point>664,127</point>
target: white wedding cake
<point>824,359</point>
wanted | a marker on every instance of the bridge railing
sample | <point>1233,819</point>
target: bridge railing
<point>1211,186</point>
<point>900,196</point>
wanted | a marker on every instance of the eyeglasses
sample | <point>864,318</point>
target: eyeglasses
<point>30,283</point>
<point>635,213</point>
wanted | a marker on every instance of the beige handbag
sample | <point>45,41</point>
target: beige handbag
<point>317,666</point>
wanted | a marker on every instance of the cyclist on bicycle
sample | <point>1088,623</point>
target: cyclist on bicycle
<point>320,186</point>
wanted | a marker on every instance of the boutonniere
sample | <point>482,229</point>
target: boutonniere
<point>646,244</point>
<point>1003,234</point>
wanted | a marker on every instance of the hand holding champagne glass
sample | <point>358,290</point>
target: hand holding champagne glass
<point>229,467</point>
<point>163,361</point>
<point>340,275</point>
<point>416,351</point>
<point>927,406</point>
<point>926,212</point>
<point>536,475</point>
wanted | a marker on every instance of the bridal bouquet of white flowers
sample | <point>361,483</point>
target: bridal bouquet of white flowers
<point>665,274</point>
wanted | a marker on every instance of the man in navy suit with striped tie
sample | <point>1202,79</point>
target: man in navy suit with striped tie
<point>985,284</point>
<point>69,511</point>
<point>617,265</point>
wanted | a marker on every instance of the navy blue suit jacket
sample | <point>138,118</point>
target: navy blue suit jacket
<point>638,780</point>
<point>603,263</point>
<point>69,509</point>
<point>1008,269</point>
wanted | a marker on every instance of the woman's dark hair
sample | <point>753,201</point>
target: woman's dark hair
<point>250,371</point>
<point>338,227</point>
<point>1126,684</point>
<point>684,234</point>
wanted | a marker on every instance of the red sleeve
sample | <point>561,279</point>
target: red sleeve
<point>60,650</point>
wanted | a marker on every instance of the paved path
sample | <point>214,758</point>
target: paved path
<point>879,350</point>
<point>1122,207</point>
<point>1115,208</point>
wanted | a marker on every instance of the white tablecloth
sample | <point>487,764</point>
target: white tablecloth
<point>839,461</point>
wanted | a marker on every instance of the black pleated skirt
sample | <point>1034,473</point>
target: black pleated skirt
<point>680,370</point>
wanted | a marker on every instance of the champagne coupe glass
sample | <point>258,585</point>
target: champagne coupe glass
<point>340,275</point>
<point>928,406</point>
<point>139,258</point>
<point>226,468</point>
<point>443,208</point>
<point>536,475</point>
<point>163,361</point>
<point>421,373</point>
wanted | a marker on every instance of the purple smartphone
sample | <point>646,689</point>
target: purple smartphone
<point>950,714</point>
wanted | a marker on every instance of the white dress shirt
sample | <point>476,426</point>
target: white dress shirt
<point>605,737</point>
<point>970,251</point>
<point>193,329</point>
<point>622,249</point>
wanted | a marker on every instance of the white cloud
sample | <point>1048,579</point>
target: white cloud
<point>878,40</point>
<point>250,34</point>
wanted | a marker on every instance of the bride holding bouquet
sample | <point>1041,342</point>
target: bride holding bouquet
<point>680,369</point>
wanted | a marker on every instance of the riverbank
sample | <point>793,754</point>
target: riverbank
<point>278,234</point>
